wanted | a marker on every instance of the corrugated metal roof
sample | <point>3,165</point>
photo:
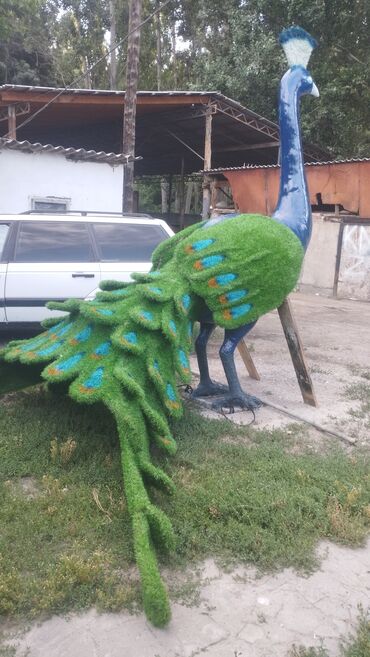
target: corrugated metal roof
<point>232,123</point>
<point>102,92</point>
<point>77,154</point>
<point>277,166</point>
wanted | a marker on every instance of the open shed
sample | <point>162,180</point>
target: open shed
<point>170,130</point>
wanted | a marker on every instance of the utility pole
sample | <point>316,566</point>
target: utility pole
<point>129,116</point>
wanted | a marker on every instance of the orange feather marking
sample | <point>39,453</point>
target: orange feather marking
<point>212,282</point>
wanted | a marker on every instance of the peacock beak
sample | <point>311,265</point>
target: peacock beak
<point>314,91</point>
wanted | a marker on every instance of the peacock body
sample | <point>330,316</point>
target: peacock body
<point>130,347</point>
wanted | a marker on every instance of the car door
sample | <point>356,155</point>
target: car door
<point>4,231</point>
<point>53,260</point>
<point>124,248</point>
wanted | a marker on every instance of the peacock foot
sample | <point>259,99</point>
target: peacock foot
<point>239,400</point>
<point>209,389</point>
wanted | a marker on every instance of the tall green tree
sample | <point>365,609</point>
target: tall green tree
<point>80,42</point>
<point>234,50</point>
<point>26,44</point>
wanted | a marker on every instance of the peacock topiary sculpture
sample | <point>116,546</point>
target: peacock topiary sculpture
<point>130,347</point>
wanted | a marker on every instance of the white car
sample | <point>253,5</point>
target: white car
<point>46,257</point>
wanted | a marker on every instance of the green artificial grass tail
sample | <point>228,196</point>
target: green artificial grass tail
<point>155,596</point>
<point>127,349</point>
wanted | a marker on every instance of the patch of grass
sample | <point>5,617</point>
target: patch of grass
<point>261,505</point>
<point>301,651</point>
<point>357,645</point>
<point>360,392</point>
<point>66,537</point>
<point>356,370</point>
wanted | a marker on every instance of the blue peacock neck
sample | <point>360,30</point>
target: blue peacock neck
<point>293,208</point>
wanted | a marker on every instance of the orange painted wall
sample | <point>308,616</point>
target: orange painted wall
<point>347,184</point>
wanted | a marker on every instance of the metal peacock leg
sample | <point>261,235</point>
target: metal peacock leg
<point>206,387</point>
<point>236,396</point>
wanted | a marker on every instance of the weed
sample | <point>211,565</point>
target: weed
<point>360,392</point>
<point>316,369</point>
<point>357,645</point>
<point>301,651</point>
<point>62,451</point>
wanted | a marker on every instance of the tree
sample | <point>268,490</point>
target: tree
<point>26,55</point>
<point>80,42</point>
<point>234,50</point>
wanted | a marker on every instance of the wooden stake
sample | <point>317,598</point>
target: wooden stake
<point>296,351</point>
<point>248,361</point>
<point>129,117</point>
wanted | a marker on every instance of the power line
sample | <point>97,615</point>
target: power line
<point>83,75</point>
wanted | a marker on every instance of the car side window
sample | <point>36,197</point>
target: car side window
<point>54,241</point>
<point>4,229</point>
<point>128,242</point>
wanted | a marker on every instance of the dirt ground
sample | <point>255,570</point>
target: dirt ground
<point>335,336</point>
<point>237,615</point>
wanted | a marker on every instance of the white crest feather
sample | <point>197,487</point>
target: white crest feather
<point>297,45</point>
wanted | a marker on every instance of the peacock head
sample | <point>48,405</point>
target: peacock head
<point>298,46</point>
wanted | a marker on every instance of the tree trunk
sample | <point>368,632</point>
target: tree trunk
<point>174,55</point>
<point>159,46</point>
<point>113,42</point>
<point>87,74</point>
<point>129,118</point>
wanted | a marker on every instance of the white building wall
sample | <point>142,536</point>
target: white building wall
<point>86,186</point>
<point>319,262</point>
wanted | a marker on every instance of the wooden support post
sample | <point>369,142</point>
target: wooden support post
<point>338,259</point>
<point>296,351</point>
<point>12,122</point>
<point>248,361</point>
<point>169,193</point>
<point>207,164</point>
<point>182,195</point>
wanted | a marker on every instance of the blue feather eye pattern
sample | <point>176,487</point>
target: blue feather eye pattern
<point>82,336</point>
<point>102,350</point>
<point>93,382</point>
<point>50,350</point>
<point>208,261</point>
<point>65,365</point>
